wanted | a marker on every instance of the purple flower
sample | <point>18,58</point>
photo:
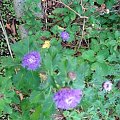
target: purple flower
<point>107,86</point>
<point>67,98</point>
<point>31,60</point>
<point>65,36</point>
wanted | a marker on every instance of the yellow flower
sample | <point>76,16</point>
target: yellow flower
<point>46,44</point>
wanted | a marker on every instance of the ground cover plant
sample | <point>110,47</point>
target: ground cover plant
<point>68,66</point>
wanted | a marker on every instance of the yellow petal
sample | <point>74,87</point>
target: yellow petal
<point>46,44</point>
<point>60,28</point>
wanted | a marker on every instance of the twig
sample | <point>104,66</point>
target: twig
<point>46,13</point>
<point>83,28</point>
<point>6,37</point>
<point>72,9</point>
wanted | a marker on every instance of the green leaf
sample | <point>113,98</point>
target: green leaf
<point>91,2</point>
<point>117,34</point>
<point>101,70</point>
<point>55,29</point>
<point>26,80</point>
<point>46,34</point>
<point>79,9</point>
<point>104,52</point>
<point>110,3</point>
<point>100,58</point>
<point>49,104</point>
<point>100,2</point>
<point>72,16</point>
<point>41,112</point>
<point>118,109</point>
<point>47,63</point>
<point>60,11</point>
<point>6,94</point>
<point>66,19</point>
<point>78,84</point>
<point>89,55</point>
<point>37,113</point>
<point>20,48</point>
<point>51,16</point>
<point>88,99</point>
<point>37,96</point>
<point>8,62</point>
<point>95,46</point>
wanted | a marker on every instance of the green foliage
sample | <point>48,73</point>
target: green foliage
<point>96,63</point>
<point>6,95</point>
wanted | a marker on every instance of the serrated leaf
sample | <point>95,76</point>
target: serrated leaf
<point>20,48</point>
<point>8,62</point>
<point>26,80</point>
<point>37,96</point>
<point>89,55</point>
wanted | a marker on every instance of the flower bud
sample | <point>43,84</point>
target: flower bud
<point>107,86</point>
<point>72,75</point>
<point>118,84</point>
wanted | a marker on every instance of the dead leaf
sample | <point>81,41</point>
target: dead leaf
<point>43,76</point>
<point>103,6</point>
<point>20,95</point>
<point>13,27</point>
<point>8,26</point>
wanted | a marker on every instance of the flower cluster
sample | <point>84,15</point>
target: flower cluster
<point>67,98</point>
<point>31,60</point>
<point>65,36</point>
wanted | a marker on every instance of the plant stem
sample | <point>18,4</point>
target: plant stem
<point>83,28</point>
<point>6,37</point>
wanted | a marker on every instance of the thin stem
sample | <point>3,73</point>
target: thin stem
<point>71,9</point>
<point>6,37</point>
<point>46,14</point>
<point>83,28</point>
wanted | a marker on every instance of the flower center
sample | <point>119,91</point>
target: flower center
<point>32,59</point>
<point>65,35</point>
<point>69,100</point>
<point>107,86</point>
